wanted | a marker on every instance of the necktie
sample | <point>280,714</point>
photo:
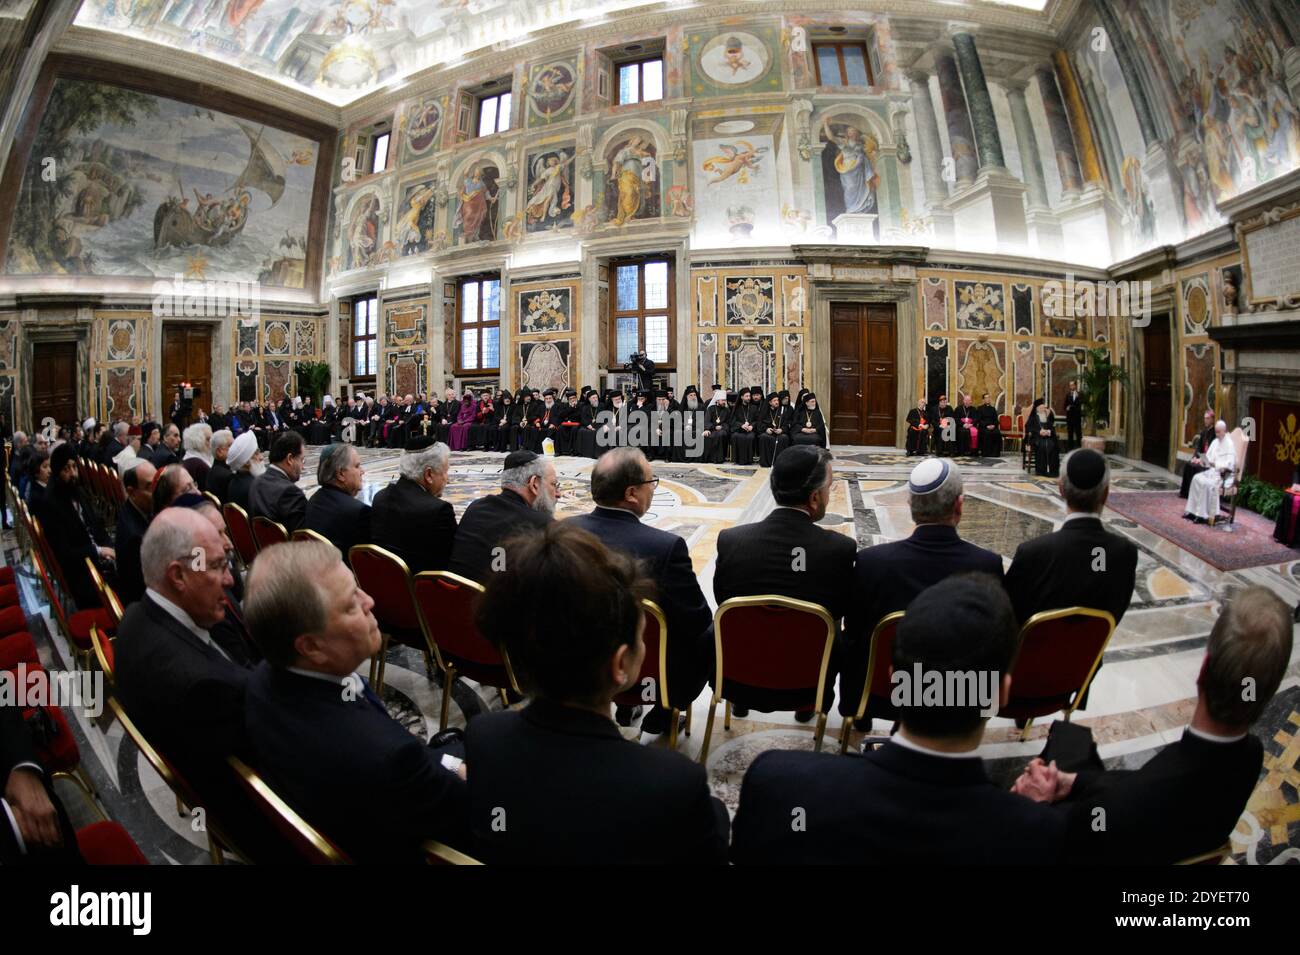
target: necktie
<point>371,698</point>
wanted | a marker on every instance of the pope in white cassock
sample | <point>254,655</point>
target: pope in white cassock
<point>1203,495</point>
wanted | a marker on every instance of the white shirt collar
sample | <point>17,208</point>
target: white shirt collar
<point>276,467</point>
<point>184,619</point>
<point>1211,738</point>
<point>1079,516</point>
<point>916,747</point>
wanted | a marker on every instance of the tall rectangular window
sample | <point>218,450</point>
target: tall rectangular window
<point>365,337</point>
<point>478,324</point>
<point>493,114</point>
<point>641,310</point>
<point>641,81</point>
<point>842,64</point>
<point>379,152</point>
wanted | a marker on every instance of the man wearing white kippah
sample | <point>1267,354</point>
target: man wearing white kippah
<point>1220,466</point>
<point>888,576</point>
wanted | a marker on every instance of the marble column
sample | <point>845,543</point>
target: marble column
<point>1067,162</point>
<point>961,138</point>
<point>1110,160</point>
<point>928,142</point>
<point>1031,167</point>
<point>979,102</point>
<point>1128,67</point>
<point>1083,138</point>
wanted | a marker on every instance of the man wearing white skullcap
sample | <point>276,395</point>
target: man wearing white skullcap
<point>244,459</point>
<point>1220,460</point>
<point>888,576</point>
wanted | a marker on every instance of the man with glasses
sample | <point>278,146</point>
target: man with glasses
<point>623,486</point>
<point>181,689</point>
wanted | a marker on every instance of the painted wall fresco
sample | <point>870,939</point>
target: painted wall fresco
<point>735,184</point>
<point>631,176</point>
<point>124,183</point>
<point>751,304</point>
<point>477,217</point>
<point>550,193</point>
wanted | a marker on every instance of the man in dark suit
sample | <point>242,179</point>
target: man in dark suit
<point>72,528</point>
<point>527,499</point>
<point>786,553</point>
<point>556,783</point>
<point>1082,564</point>
<point>132,523</point>
<point>179,687</point>
<point>409,517</point>
<point>220,475</point>
<point>334,511</point>
<point>1074,415</point>
<point>312,720</point>
<point>1200,445</point>
<point>1185,800</point>
<point>623,485</point>
<point>34,828</point>
<point>887,577</point>
<point>276,494</point>
<point>169,450</point>
<point>923,797</point>
<point>116,444</point>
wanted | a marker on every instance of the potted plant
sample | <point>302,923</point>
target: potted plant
<point>313,379</point>
<point>1094,388</point>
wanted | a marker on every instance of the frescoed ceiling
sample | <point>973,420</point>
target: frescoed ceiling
<point>338,50</point>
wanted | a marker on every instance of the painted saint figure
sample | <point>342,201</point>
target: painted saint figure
<point>858,178</point>
<point>551,196</point>
<point>476,217</point>
<point>626,172</point>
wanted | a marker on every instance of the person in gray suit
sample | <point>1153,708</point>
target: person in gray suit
<point>276,494</point>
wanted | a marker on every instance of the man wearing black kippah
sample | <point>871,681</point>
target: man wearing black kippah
<point>786,553</point>
<point>924,797</point>
<point>1082,564</point>
<point>527,499</point>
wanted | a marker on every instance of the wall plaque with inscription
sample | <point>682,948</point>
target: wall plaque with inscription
<point>1270,254</point>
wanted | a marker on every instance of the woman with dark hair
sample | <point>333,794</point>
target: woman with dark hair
<point>1041,428</point>
<point>458,433</point>
<point>576,791</point>
<point>809,427</point>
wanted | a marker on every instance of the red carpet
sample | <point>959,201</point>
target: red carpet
<point>1249,544</point>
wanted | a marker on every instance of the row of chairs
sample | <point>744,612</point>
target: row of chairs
<point>102,488</point>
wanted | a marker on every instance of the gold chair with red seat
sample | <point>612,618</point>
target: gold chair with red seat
<point>16,648</point>
<point>302,841</point>
<point>12,620</point>
<point>1059,653</point>
<point>770,643</point>
<point>241,532</point>
<point>103,647</point>
<point>107,596</point>
<point>654,667</point>
<point>445,602</point>
<point>386,578</point>
<point>306,534</point>
<point>107,843</point>
<point>877,685</point>
<point>75,626</point>
<point>268,532</point>
<point>1010,436</point>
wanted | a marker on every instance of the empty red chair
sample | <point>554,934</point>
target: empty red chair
<point>1060,651</point>
<point>268,532</point>
<point>12,620</point>
<point>16,648</point>
<point>6,575</point>
<point>77,625</point>
<point>877,684</point>
<point>386,578</point>
<point>446,604</point>
<point>775,644</point>
<point>241,532</point>
<point>107,843</point>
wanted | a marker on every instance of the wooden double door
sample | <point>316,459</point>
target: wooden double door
<point>54,383</point>
<point>187,356</point>
<point>864,373</point>
<point>1157,396</point>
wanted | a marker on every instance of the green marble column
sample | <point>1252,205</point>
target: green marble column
<point>979,102</point>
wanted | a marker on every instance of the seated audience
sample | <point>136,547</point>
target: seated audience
<point>334,511</point>
<point>132,523</point>
<point>888,577</point>
<point>556,783</point>
<point>313,720</point>
<point>34,828</point>
<point>786,553</point>
<point>409,517</point>
<point>276,493</point>
<point>1220,460</point>
<point>73,529</point>
<point>923,797</point>
<point>37,476</point>
<point>117,443</point>
<point>198,453</point>
<point>230,633</point>
<point>527,499</point>
<point>622,485</point>
<point>808,427</point>
<point>168,451</point>
<point>1185,800</point>
<point>170,483</point>
<point>219,474</point>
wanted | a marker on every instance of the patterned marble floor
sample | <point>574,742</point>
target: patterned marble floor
<point>1143,696</point>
